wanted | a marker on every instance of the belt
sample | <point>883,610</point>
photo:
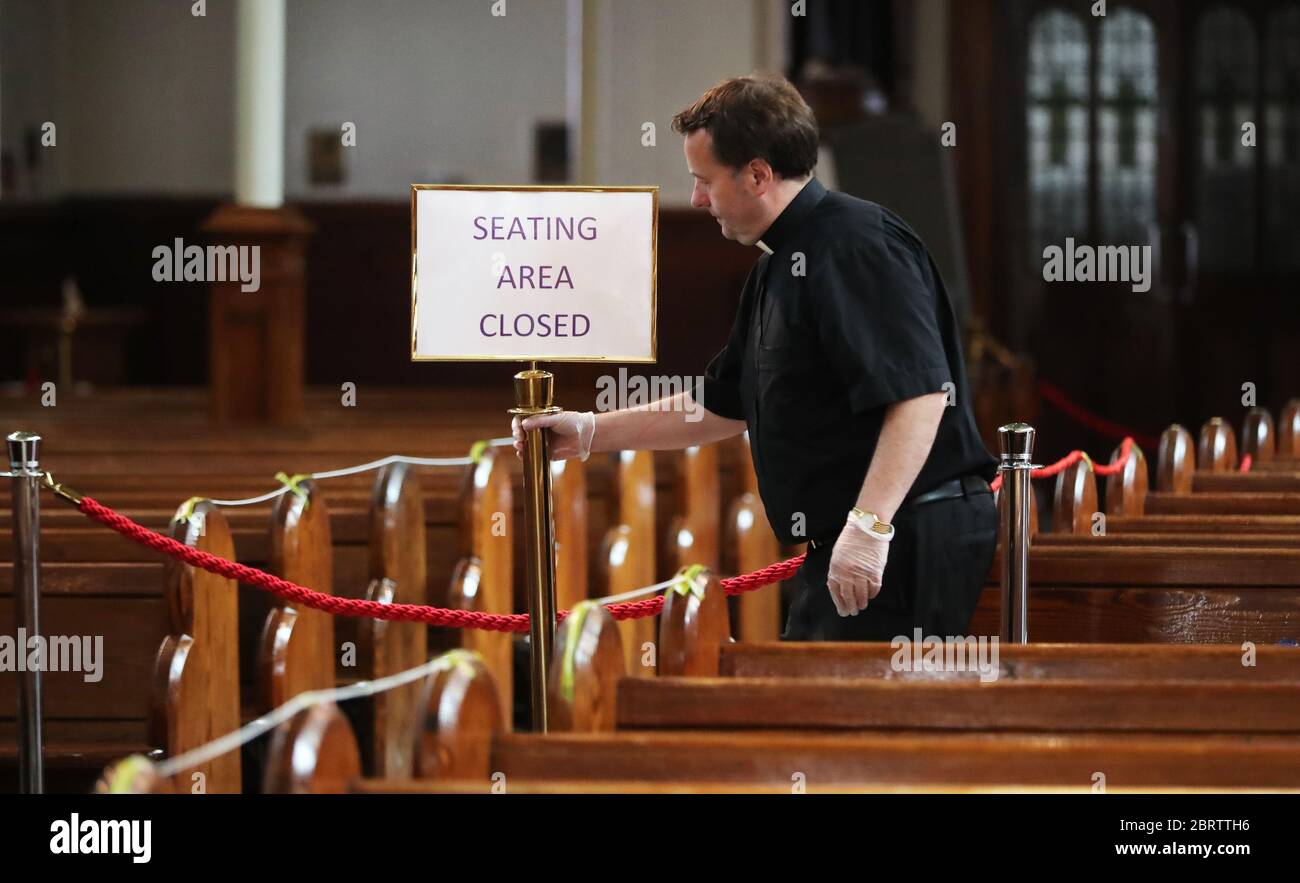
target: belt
<point>966,486</point>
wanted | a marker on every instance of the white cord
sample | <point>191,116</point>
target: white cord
<point>366,467</point>
<point>637,593</point>
<point>254,728</point>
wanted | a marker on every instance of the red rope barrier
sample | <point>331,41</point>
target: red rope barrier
<point>1082,415</point>
<point>441,616</point>
<point>1125,451</point>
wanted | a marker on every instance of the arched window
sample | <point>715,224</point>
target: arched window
<point>1126,127</point>
<point>1281,137</point>
<point>1227,71</point>
<point>1057,125</point>
<point>1093,101</point>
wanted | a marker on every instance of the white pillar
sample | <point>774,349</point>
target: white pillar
<point>259,103</point>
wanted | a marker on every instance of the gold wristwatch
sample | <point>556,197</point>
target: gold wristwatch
<point>868,522</point>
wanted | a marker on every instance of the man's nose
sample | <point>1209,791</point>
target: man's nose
<point>698,198</point>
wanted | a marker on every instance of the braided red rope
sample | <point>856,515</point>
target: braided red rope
<point>442,616</point>
<point>1125,451</point>
<point>1082,415</point>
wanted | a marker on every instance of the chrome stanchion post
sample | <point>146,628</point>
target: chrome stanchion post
<point>25,472</point>
<point>1016,441</point>
<point>533,396</point>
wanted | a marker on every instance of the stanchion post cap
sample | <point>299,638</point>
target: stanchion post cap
<point>534,389</point>
<point>24,451</point>
<point>1016,441</point>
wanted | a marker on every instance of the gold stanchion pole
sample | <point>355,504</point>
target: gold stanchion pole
<point>533,394</point>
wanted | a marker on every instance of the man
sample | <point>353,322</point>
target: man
<point>844,363</point>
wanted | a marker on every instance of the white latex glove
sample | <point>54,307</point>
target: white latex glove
<point>857,566</point>
<point>570,435</point>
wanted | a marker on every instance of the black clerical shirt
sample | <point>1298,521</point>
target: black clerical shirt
<point>845,316</point>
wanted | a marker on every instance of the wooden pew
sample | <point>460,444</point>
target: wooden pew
<point>753,546</point>
<point>1013,705</point>
<point>314,753</point>
<point>1133,662</point>
<point>627,560</point>
<point>1163,578</point>
<point>1063,687</point>
<point>380,647</point>
<point>169,678</point>
<point>483,576</point>
<point>783,760</point>
<point>459,713</point>
<point>297,651</point>
<point>1130,521</point>
<point>569,498</point>
<point>398,575</point>
<point>693,535</point>
<point>1258,438</point>
<point>1059,722</point>
<point>1288,436</point>
<point>196,674</point>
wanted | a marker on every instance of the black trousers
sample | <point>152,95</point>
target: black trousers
<point>933,577</point>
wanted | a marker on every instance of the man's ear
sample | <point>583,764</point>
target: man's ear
<point>760,176</point>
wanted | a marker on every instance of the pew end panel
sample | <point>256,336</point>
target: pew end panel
<point>1126,490</point>
<point>693,534</point>
<point>1288,431</point>
<point>483,576</point>
<point>1258,438</point>
<point>693,626</point>
<point>297,647</point>
<point>1217,449</point>
<point>569,497</point>
<point>583,682</point>
<point>195,695</point>
<point>749,534</point>
<point>460,717</point>
<point>314,752</point>
<point>628,549</point>
<point>1175,461</point>
<point>398,575</point>
<point>1075,500</point>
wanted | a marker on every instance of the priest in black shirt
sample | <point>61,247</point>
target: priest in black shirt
<point>844,362</point>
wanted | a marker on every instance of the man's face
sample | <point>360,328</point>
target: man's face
<point>729,195</point>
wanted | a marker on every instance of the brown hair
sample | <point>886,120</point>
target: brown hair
<point>756,118</point>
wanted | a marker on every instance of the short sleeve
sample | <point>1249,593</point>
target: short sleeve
<point>876,317</point>
<point>718,391</point>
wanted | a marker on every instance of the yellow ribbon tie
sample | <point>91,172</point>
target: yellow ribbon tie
<point>459,659</point>
<point>185,512</point>
<point>576,617</point>
<point>123,775</point>
<point>690,582</point>
<point>476,450</point>
<point>294,483</point>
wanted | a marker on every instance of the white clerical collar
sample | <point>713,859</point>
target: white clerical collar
<point>763,245</point>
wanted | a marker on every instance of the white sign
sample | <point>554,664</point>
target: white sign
<point>524,273</point>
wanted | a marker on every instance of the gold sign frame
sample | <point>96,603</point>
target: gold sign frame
<point>653,190</point>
